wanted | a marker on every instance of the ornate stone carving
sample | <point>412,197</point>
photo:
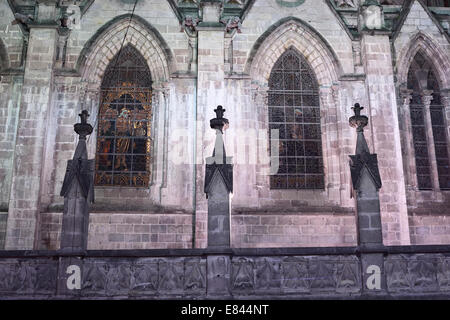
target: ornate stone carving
<point>190,24</point>
<point>28,277</point>
<point>397,274</point>
<point>346,3</point>
<point>145,277</point>
<point>171,276</point>
<point>290,3</point>
<point>362,158</point>
<point>94,280</point>
<point>418,273</point>
<point>195,275</point>
<point>242,274</point>
<point>188,2</point>
<point>348,276</point>
<point>412,274</point>
<point>232,23</point>
<point>423,274</point>
<point>268,274</point>
<point>443,273</point>
<point>235,2</point>
<point>322,274</point>
<point>295,275</point>
<point>118,279</point>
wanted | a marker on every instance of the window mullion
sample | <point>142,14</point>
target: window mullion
<point>427,97</point>
<point>406,97</point>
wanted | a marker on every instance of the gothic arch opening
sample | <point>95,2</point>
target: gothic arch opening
<point>294,112</point>
<point>322,174</point>
<point>106,43</point>
<point>433,53</point>
<point>293,32</point>
<point>428,124</point>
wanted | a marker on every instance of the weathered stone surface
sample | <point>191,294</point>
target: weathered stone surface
<point>203,274</point>
<point>218,276</point>
<point>422,273</point>
<point>191,73</point>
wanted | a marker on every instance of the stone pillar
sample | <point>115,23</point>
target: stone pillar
<point>218,186</point>
<point>260,96</point>
<point>445,98</point>
<point>78,191</point>
<point>385,134</point>
<point>366,183</point>
<point>407,137</point>
<point>210,92</point>
<point>427,97</point>
<point>228,54</point>
<point>10,97</point>
<point>24,203</point>
<point>60,59</point>
<point>194,54</point>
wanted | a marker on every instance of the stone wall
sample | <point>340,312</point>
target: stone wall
<point>11,38</point>
<point>385,138</point>
<point>429,229</point>
<point>292,230</point>
<point>113,231</point>
<point>10,97</point>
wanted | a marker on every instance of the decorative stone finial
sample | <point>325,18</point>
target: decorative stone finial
<point>358,121</point>
<point>362,158</point>
<point>83,128</point>
<point>219,122</point>
<point>219,160</point>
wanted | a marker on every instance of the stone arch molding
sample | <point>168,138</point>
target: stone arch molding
<point>421,42</point>
<point>293,33</point>
<point>106,43</point>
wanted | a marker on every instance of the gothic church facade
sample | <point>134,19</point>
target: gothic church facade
<point>151,72</point>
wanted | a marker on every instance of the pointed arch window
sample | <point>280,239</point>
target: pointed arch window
<point>294,111</point>
<point>428,126</point>
<point>123,142</point>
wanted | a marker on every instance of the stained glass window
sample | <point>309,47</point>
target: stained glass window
<point>294,111</point>
<point>422,77</point>
<point>124,127</point>
<point>439,134</point>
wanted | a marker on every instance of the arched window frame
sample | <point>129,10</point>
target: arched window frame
<point>127,85</point>
<point>294,110</point>
<point>424,109</point>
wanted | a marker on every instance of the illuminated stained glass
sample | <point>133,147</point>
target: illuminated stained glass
<point>294,111</point>
<point>124,142</point>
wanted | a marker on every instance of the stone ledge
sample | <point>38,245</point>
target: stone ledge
<point>254,252</point>
<point>297,210</point>
<point>250,274</point>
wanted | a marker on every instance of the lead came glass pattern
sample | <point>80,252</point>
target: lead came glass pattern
<point>124,142</point>
<point>294,111</point>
